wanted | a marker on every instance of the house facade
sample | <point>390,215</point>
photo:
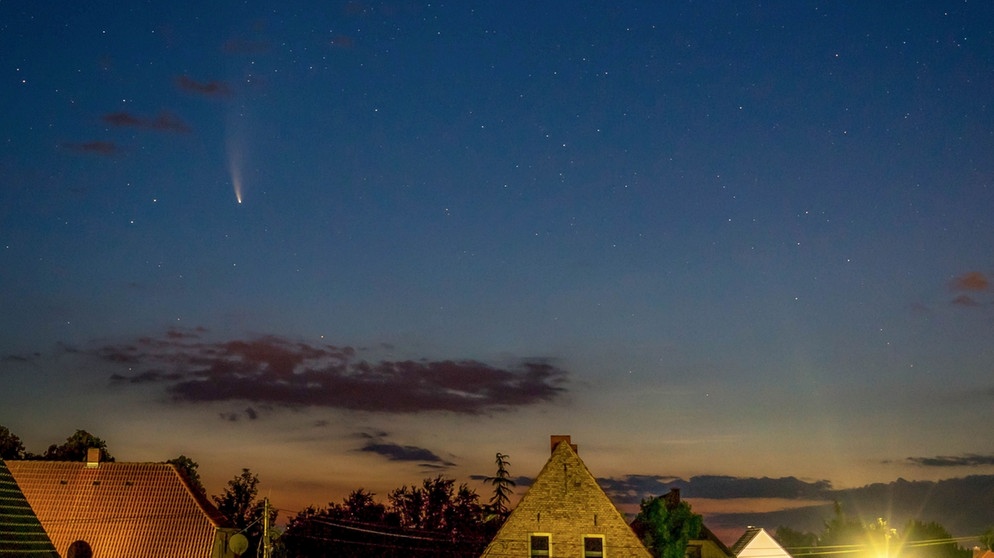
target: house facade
<point>757,543</point>
<point>121,510</point>
<point>565,513</point>
<point>707,545</point>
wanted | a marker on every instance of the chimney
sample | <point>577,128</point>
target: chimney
<point>92,457</point>
<point>556,438</point>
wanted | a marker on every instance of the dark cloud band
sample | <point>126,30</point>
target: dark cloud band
<point>277,371</point>
<point>966,460</point>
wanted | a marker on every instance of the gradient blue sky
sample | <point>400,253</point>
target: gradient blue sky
<point>356,244</point>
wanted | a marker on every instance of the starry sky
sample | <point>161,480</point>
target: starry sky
<point>353,244</point>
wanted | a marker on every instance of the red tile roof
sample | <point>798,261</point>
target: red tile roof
<point>120,509</point>
<point>21,534</point>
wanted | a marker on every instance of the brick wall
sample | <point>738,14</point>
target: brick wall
<point>566,503</point>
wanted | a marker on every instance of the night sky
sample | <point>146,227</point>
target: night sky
<point>355,245</point>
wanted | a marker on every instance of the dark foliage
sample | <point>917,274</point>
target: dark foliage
<point>75,447</point>
<point>434,519</point>
<point>188,469</point>
<point>10,445</point>
<point>666,524</point>
<point>239,504</point>
<point>846,535</point>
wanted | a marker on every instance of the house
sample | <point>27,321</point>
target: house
<point>707,545</point>
<point>565,513</point>
<point>757,543</point>
<point>121,510</point>
<point>21,534</point>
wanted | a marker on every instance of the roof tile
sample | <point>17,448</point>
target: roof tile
<point>120,509</point>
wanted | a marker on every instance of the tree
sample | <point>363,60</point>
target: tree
<point>793,540</point>
<point>849,536</point>
<point>433,519</point>
<point>188,470</point>
<point>360,506</point>
<point>987,539</point>
<point>423,507</point>
<point>10,445</point>
<point>465,517</point>
<point>666,524</point>
<point>75,446</point>
<point>842,531</point>
<point>929,540</point>
<point>238,499</point>
<point>239,504</point>
<point>503,486</point>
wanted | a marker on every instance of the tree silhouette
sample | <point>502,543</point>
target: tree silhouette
<point>928,540</point>
<point>434,519</point>
<point>987,539</point>
<point>10,445</point>
<point>75,447</point>
<point>239,504</point>
<point>503,486</point>
<point>188,470</point>
<point>843,534</point>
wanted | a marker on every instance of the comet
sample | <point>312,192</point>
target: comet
<point>236,178</point>
<point>235,169</point>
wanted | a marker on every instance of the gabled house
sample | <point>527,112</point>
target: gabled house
<point>565,513</point>
<point>757,543</point>
<point>708,545</point>
<point>121,510</point>
<point>21,534</point>
<point>705,545</point>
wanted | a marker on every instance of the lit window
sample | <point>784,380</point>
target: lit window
<point>539,545</point>
<point>593,546</point>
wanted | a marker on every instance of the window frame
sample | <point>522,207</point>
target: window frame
<point>583,545</point>
<point>548,539</point>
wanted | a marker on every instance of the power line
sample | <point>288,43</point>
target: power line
<point>380,533</point>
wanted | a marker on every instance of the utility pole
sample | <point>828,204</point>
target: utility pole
<point>267,545</point>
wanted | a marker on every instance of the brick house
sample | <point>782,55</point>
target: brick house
<point>121,510</point>
<point>565,513</point>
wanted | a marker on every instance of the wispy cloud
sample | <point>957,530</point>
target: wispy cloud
<point>974,281</point>
<point>208,88</point>
<point>342,41</point>
<point>164,121</point>
<point>964,300</point>
<point>244,46</point>
<point>968,287</point>
<point>376,444</point>
<point>632,489</point>
<point>965,460</point>
<point>106,148</point>
<point>275,370</point>
<point>520,482</point>
<point>248,413</point>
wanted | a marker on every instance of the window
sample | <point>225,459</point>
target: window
<point>593,546</point>
<point>79,549</point>
<point>539,545</point>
